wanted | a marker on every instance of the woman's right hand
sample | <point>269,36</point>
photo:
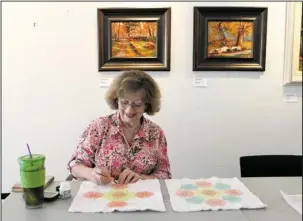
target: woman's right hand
<point>101,176</point>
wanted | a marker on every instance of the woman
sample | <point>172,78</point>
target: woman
<point>124,146</point>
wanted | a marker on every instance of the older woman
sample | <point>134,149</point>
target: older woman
<point>124,146</point>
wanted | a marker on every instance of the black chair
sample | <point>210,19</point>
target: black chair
<point>271,166</point>
<point>4,195</point>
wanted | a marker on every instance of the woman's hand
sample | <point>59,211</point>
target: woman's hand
<point>128,176</point>
<point>101,176</point>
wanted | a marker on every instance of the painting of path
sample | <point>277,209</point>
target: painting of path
<point>131,39</point>
<point>230,39</point>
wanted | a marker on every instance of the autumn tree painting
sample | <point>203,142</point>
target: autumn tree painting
<point>230,39</point>
<point>134,39</point>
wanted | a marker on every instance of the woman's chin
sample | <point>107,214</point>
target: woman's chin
<point>129,120</point>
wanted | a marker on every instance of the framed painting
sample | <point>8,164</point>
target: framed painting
<point>229,39</point>
<point>293,44</point>
<point>134,38</point>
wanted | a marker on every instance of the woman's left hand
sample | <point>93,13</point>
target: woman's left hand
<point>128,176</point>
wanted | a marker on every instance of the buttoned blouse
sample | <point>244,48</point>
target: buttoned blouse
<point>103,144</point>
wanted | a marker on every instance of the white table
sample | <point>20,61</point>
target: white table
<point>267,189</point>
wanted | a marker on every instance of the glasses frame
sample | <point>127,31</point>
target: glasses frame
<point>132,104</point>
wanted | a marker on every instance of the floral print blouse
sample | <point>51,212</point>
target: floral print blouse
<point>103,144</point>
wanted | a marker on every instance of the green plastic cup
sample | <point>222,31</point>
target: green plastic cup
<point>32,174</point>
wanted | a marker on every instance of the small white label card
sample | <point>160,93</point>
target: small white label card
<point>105,82</point>
<point>290,98</point>
<point>199,82</point>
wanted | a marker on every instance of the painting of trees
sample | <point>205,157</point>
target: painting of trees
<point>242,29</point>
<point>217,31</point>
<point>116,31</point>
<point>133,39</point>
<point>229,38</point>
<point>233,36</point>
<point>151,27</point>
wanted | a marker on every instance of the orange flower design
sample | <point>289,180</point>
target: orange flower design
<point>234,192</point>
<point>93,195</point>
<point>117,204</point>
<point>185,193</point>
<point>204,184</point>
<point>119,194</point>
<point>208,192</point>
<point>118,186</point>
<point>215,202</point>
<point>144,194</point>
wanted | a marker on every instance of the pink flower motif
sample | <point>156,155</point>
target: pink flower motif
<point>115,163</point>
<point>215,202</point>
<point>114,204</point>
<point>234,192</point>
<point>203,184</point>
<point>150,144</point>
<point>144,194</point>
<point>208,192</point>
<point>185,193</point>
<point>141,133</point>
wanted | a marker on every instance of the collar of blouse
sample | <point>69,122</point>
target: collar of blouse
<point>117,127</point>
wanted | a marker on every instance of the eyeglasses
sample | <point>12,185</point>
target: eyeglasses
<point>135,104</point>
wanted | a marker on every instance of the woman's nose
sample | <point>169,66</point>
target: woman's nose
<point>129,109</point>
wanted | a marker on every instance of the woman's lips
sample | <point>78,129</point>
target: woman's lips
<point>130,115</point>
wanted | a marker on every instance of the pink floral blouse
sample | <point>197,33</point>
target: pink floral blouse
<point>103,144</point>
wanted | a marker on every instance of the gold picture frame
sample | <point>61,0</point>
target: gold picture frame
<point>293,44</point>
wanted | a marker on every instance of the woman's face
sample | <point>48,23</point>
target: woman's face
<point>131,107</point>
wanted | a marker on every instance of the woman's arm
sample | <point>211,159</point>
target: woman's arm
<point>162,170</point>
<point>82,161</point>
<point>82,171</point>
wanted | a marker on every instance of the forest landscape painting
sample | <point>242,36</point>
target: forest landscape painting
<point>230,39</point>
<point>133,39</point>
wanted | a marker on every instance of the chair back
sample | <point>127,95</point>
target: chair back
<point>271,166</point>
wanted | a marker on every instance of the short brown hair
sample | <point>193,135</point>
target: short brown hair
<point>132,81</point>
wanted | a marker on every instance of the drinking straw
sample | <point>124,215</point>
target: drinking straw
<point>29,150</point>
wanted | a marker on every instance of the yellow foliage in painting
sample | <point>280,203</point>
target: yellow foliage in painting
<point>133,39</point>
<point>230,38</point>
<point>230,28</point>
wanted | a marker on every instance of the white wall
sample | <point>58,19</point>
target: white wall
<point>50,92</point>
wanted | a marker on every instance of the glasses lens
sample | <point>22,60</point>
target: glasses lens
<point>124,102</point>
<point>136,104</point>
